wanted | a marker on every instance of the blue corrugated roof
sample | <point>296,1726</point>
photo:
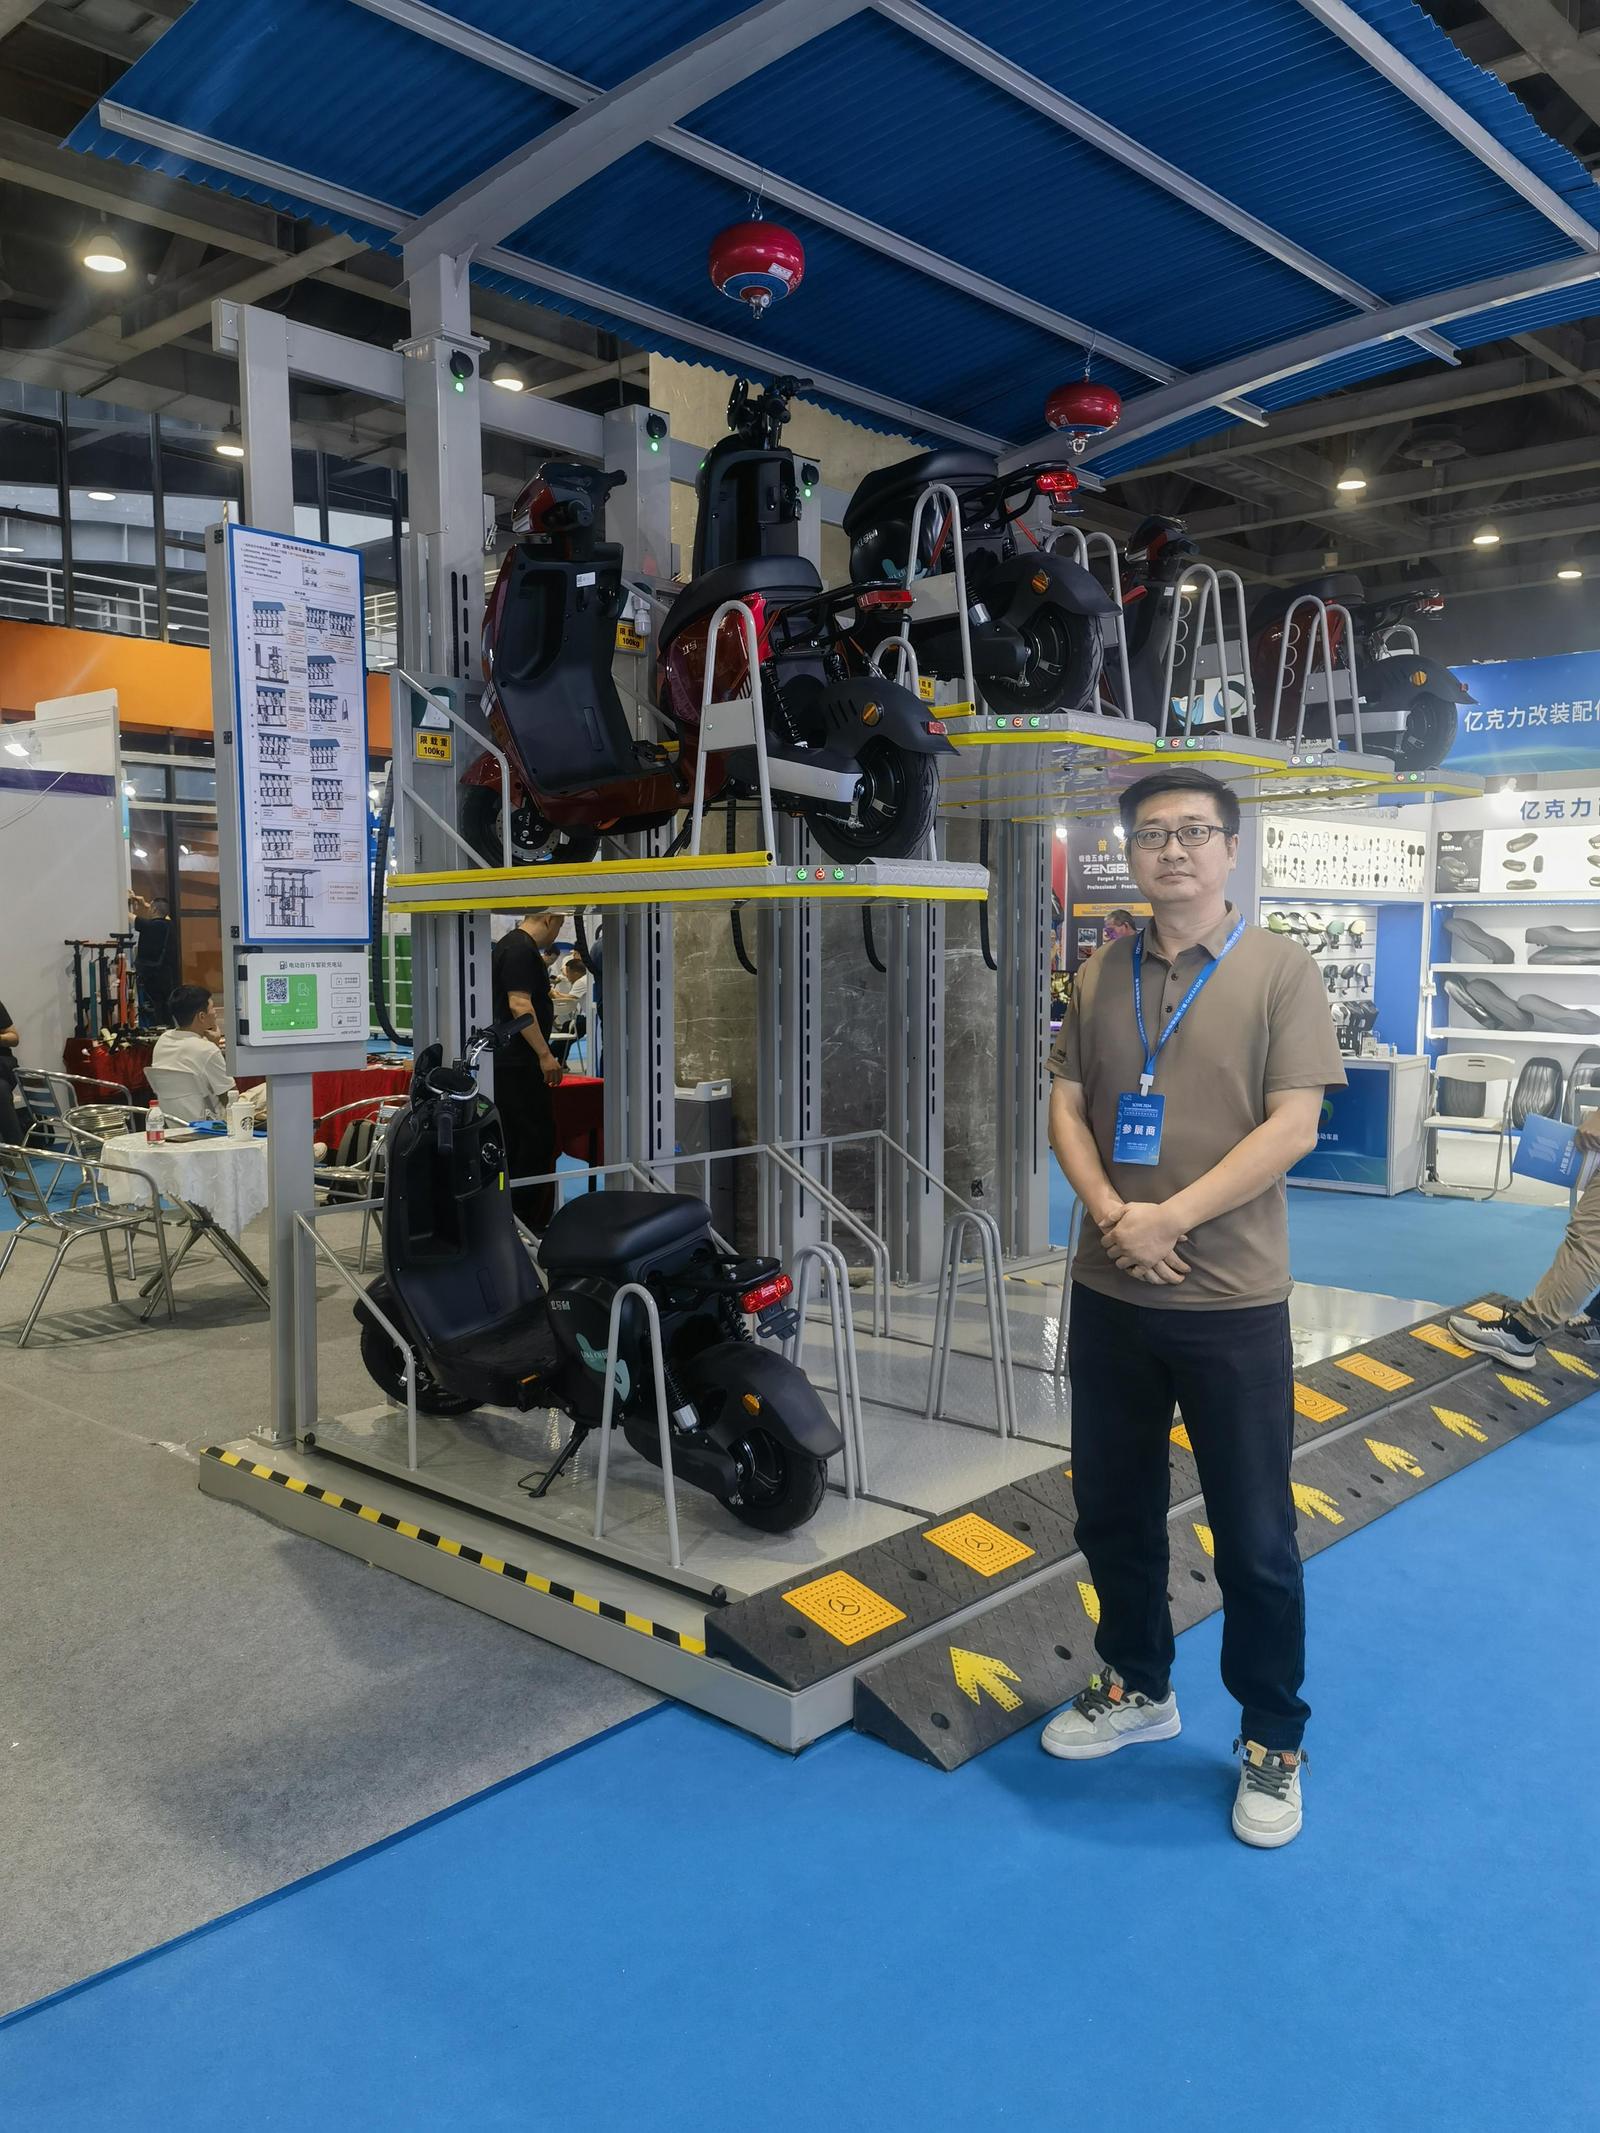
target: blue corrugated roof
<point>1252,97</point>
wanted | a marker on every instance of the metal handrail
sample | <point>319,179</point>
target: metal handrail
<point>1083,543</point>
<point>847,1376</point>
<point>1209,584</point>
<point>663,1418</point>
<point>745,621</point>
<point>1318,635</point>
<point>305,1305</point>
<point>479,740</point>
<point>943,490</point>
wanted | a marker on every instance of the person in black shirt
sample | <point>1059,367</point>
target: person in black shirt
<point>10,1124</point>
<point>527,1070</point>
<point>157,970</point>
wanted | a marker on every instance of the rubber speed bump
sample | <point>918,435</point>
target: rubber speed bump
<point>978,1544</point>
<point>848,1610</point>
<point>1368,1367</point>
<point>1315,1406</point>
<point>1441,1338</point>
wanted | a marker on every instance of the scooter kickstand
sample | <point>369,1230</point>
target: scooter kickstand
<point>580,1430</point>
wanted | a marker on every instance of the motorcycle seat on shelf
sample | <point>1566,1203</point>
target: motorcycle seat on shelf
<point>1341,586</point>
<point>780,579</point>
<point>907,478</point>
<point>609,1232</point>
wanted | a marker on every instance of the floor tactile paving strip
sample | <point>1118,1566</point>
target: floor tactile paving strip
<point>947,1699</point>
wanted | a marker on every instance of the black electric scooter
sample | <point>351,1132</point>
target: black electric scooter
<point>459,1284</point>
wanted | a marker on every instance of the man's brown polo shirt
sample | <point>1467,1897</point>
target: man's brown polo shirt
<point>1261,1025</point>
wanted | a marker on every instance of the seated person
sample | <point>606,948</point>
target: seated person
<point>570,988</point>
<point>11,1126</point>
<point>187,1072</point>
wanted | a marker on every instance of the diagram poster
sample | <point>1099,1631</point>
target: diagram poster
<point>300,726</point>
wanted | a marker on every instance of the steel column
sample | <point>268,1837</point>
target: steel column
<point>789,1049</point>
<point>1020,870</point>
<point>914,994</point>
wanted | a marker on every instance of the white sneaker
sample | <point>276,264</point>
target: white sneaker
<point>1495,1337</point>
<point>1266,1808</point>
<point>1108,1716</point>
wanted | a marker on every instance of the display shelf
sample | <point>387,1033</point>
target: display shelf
<point>710,880</point>
<point>1475,1033</point>
<point>1514,970</point>
<point>1016,767</point>
<point>1521,903</point>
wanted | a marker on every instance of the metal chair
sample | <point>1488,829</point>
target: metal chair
<point>39,1222</point>
<point>1480,1070</point>
<point>362,1177</point>
<point>89,1127</point>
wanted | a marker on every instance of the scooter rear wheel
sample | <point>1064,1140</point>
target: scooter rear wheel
<point>534,841</point>
<point>782,1486</point>
<point>386,1367</point>
<point>1428,734</point>
<point>895,810</point>
<point>1062,673</point>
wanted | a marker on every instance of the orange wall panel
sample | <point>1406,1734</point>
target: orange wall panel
<point>161,688</point>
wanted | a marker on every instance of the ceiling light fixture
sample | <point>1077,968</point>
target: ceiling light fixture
<point>101,253</point>
<point>102,496</point>
<point>509,379</point>
<point>1351,480</point>
<point>16,748</point>
<point>1569,572</point>
<point>1486,537</point>
<point>230,444</point>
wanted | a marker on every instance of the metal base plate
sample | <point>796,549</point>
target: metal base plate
<point>712,880</point>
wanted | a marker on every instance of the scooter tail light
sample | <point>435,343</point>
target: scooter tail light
<point>766,1292</point>
<point>935,725</point>
<point>885,596</point>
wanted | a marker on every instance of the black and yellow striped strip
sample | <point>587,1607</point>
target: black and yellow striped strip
<point>605,1609</point>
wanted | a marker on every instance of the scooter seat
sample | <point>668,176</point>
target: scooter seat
<point>613,1232</point>
<point>902,483</point>
<point>780,579</point>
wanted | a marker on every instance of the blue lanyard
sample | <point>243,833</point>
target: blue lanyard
<point>1148,1077</point>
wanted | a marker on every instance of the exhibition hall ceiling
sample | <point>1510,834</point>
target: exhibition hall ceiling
<point>1508,437</point>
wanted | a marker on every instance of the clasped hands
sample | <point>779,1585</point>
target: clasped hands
<point>1142,1238</point>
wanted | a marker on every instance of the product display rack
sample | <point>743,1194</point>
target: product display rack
<point>1572,985</point>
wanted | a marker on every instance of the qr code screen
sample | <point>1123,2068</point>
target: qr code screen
<point>277,992</point>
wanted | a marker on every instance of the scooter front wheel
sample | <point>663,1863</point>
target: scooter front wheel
<point>386,1367</point>
<point>534,841</point>
<point>781,1486</point>
<point>893,813</point>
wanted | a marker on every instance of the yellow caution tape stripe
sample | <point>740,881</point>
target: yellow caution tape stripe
<point>467,1554</point>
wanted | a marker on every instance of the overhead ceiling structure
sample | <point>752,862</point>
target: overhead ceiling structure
<point>1226,213</point>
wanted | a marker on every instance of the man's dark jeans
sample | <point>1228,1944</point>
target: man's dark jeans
<point>1231,1373</point>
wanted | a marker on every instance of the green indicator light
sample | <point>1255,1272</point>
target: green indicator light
<point>702,466</point>
<point>655,446</point>
<point>838,873</point>
<point>800,874</point>
<point>460,384</point>
<point>806,491</point>
<point>1036,722</point>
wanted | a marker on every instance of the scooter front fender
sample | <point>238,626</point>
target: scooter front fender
<point>1407,674</point>
<point>789,1407</point>
<point>1024,583</point>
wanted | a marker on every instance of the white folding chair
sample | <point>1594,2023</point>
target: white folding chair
<point>1487,1072</point>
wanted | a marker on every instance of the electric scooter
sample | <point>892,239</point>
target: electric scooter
<point>458,1282</point>
<point>854,758</point>
<point>1154,562</point>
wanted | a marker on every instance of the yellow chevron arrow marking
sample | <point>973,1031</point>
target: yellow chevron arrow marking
<point>1461,1425</point>
<point>1437,1337</point>
<point>975,1673</point>
<point>1180,1437</point>
<point>1315,1406</point>
<point>1316,1503</point>
<point>1571,1362</point>
<point>1394,1458</point>
<point>1203,1535</point>
<point>1090,1599</point>
<point>1383,1375</point>
<point>1523,1390</point>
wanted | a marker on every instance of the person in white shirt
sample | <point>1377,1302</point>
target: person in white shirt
<point>188,1073</point>
<point>571,991</point>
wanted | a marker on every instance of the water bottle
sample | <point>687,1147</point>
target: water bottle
<point>155,1126</point>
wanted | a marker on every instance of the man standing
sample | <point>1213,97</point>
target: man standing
<point>1571,1279</point>
<point>527,1070</point>
<point>1189,1075</point>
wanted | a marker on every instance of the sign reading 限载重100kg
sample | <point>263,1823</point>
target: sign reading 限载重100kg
<point>300,739</point>
<point>1531,715</point>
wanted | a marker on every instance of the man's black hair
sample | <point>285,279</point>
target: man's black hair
<point>1119,917</point>
<point>186,1002</point>
<point>1184,780</point>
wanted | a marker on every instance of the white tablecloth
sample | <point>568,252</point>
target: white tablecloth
<point>227,1178</point>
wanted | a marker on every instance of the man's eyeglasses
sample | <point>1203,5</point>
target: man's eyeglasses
<point>1191,835</point>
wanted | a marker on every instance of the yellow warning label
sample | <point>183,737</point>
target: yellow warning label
<point>1461,1425</point>
<point>1489,1314</point>
<point>1437,1337</point>
<point>1090,1599</point>
<point>430,747</point>
<point>1315,1406</point>
<point>1180,1437</point>
<point>1203,1535</point>
<point>981,1546</point>
<point>848,1610</point>
<point>1571,1362</point>
<point>925,687</point>
<point>1395,1457</point>
<point>1316,1503</point>
<point>628,640</point>
<point>1523,1390</point>
<point>1383,1375</point>
<point>975,1673</point>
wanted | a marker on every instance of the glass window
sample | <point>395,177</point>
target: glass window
<point>32,584</point>
<point>199,900</point>
<point>144,781</point>
<point>197,485</point>
<point>194,785</point>
<point>113,519</point>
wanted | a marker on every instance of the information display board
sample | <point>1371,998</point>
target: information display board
<point>300,722</point>
<point>297,998</point>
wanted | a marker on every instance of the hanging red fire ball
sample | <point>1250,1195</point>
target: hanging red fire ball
<point>756,263</point>
<point>1083,409</point>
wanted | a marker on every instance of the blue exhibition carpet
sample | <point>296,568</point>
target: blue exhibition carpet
<point>674,1928</point>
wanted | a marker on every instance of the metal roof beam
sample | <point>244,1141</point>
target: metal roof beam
<point>1379,54</point>
<point>360,207</point>
<point>1560,522</point>
<point>33,160</point>
<point>439,28</point>
<point>534,177</point>
<point>1545,33</point>
<point>1245,374</point>
<point>993,67</point>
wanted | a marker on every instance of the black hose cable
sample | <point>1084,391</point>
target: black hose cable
<point>380,867</point>
<point>581,934</point>
<point>989,962</point>
<point>734,919</point>
<point>868,942</point>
